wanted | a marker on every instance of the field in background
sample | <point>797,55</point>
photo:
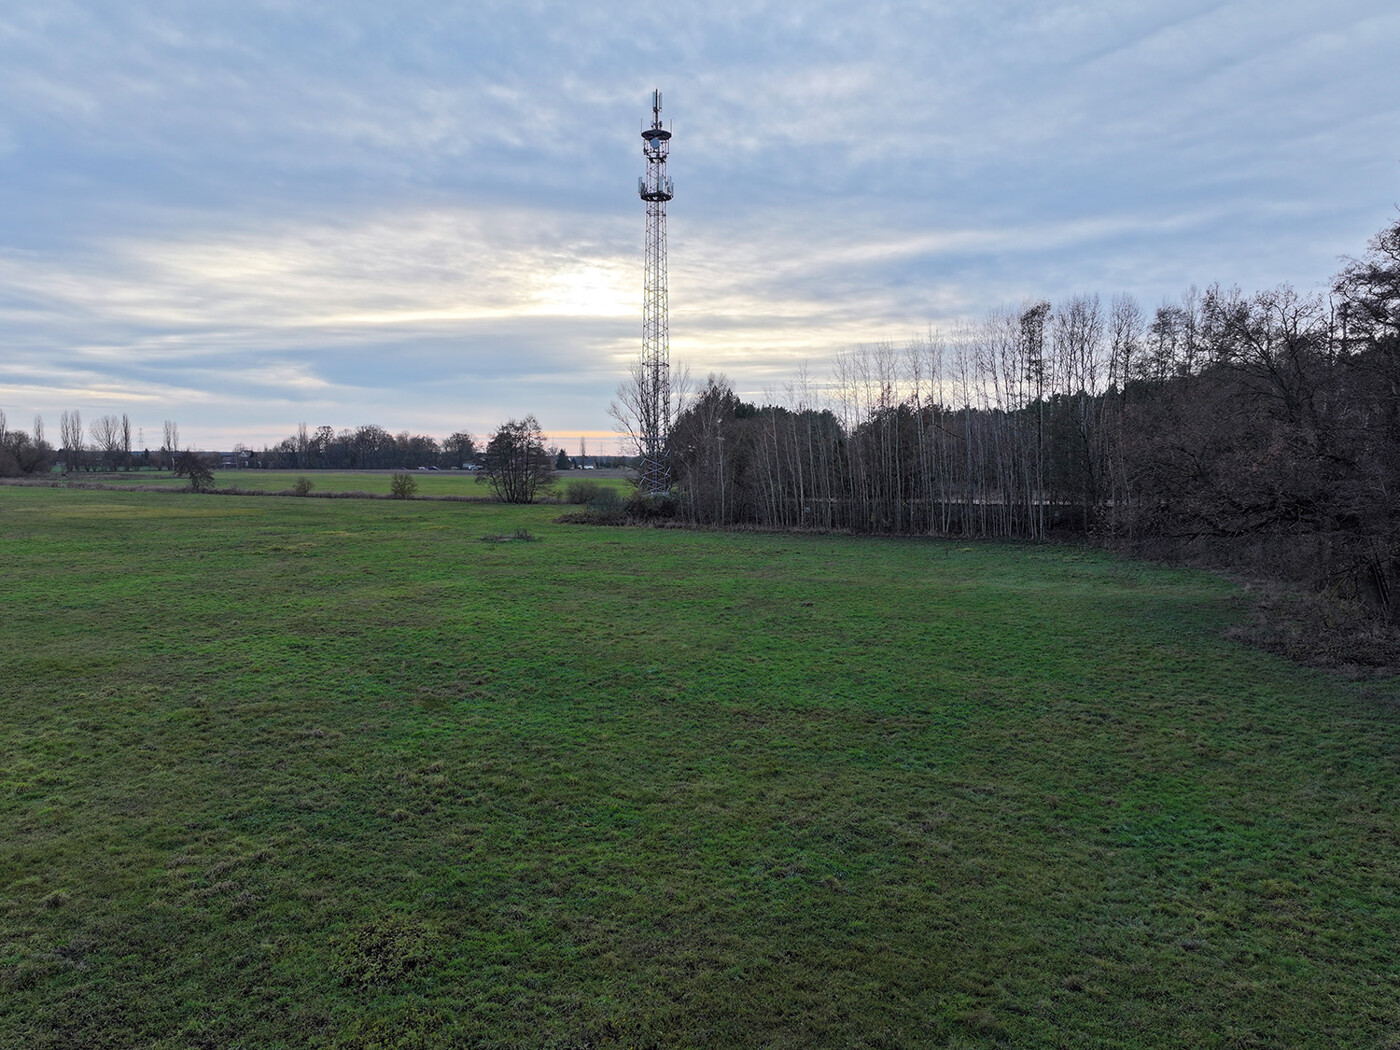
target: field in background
<point>460,483</point>
<point>334,772</point>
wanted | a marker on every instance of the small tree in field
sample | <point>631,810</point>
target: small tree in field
<point>192,465</point>
<point>517,463</point>
<point>403,486</point>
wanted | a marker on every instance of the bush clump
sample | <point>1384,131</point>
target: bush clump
<point>606,501</point>
<point>651,506</point>
<point>583,492</point>
<point>607,507</point>
<point>403,486</point>
<point>302,486</point>
<point>1319,628</point>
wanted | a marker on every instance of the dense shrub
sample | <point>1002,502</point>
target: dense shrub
<point>606,501</point>
<point>1320,628</point>
<point>582,491</point>
<point>19,455</point>
<point>649,506</point>
<point>403,486</point>
<point>607,507</point>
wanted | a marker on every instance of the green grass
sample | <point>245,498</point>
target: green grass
<point>460,483</point>
<point>375,482</point>
<point>336,773</point>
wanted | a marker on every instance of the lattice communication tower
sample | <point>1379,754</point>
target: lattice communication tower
<point>654,412</point>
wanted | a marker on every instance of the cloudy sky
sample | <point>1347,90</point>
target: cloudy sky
<point>246,215</point>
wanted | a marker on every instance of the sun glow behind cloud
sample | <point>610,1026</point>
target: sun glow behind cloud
<point>601,289</point>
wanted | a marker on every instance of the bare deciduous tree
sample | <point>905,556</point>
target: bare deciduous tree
<point>170,444</point>
<point>106,434</point>
<point>71,430</point>
<point>517,463</point>
<point>192,465</point>
<point>637,405</point>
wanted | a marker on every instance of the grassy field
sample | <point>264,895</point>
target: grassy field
<point>303,772</point>
<point>431,483</point>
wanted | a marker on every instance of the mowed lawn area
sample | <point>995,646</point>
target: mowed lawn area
<point>282,772</point>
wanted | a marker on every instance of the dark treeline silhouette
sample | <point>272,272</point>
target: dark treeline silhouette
<point>106,445</point>
<point>1267,424</point>
<point>366,448</point>
<point>372,447</point>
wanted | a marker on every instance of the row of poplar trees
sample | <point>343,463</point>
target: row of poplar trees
<point>1267,420</point>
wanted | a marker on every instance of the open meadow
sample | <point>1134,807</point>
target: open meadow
<point>440,484</point>
<point>281,772</point>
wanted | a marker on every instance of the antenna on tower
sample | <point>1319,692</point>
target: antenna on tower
<point>655,413</point>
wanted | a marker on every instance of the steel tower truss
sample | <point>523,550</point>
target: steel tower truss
<point>654,411</point>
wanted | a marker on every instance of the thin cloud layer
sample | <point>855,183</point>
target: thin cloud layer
<point>245,216</point>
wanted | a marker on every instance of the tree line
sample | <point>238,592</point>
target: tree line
<point>1269,422</point>
<point>371,447</point>
<point>367,447</point>
<point>105,444</point>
